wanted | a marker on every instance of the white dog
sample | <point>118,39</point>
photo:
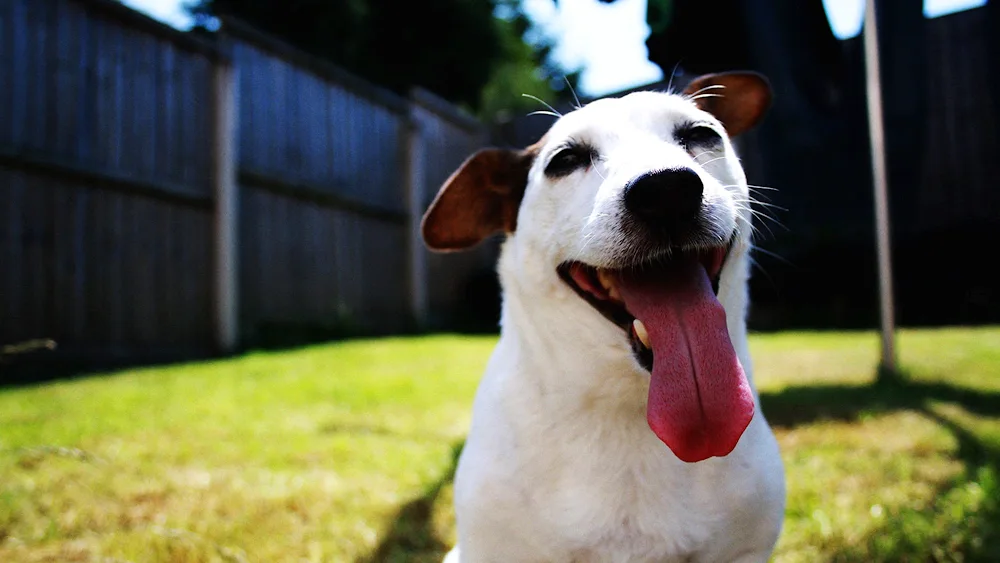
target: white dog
<point>617,420</point>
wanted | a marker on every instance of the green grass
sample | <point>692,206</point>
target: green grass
<point>345,452</point>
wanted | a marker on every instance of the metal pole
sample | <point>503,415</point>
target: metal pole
<point>877,136</point>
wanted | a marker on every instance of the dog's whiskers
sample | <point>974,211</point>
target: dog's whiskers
<point>759,195</point>
<point>715,222</point>
<point>739,204</point>
<point>766,220</point>
<point>771,254</point>
<point>710,87</point>
<point>706,163</point>
<point>755,190</point>
<point>544,112</point>
<point>754,201</point>
<point>572,91</point>
<point>765,204</point>
<point>753,228</point>
<point>765,224</point>
<point>589,237</point>
<point>709,95</point>
<point>755,264</point>
<point>760,212</point>
<point>751,187</point>
<point>596,168</point>
<point>544,103</point>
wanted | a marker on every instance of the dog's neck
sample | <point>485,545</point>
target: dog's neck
<point>567,347</point>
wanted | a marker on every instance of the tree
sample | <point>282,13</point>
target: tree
<point>453,48</point>
<point>527,72</point>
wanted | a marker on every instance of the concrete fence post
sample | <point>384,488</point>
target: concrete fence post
<point>226,211</point>
<point>415,177</point>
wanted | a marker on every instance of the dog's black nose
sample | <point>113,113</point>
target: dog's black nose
<point>665,196</point>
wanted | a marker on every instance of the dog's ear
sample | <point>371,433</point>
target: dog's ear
<point>737,99</point>
<point>481,198</point>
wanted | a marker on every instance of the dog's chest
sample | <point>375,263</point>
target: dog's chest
<point>580,477</point>
<point>631,503</point>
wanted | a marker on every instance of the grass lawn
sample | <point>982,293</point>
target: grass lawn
<point>345,452</point>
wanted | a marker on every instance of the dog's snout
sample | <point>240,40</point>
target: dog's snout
<point>665,195</point>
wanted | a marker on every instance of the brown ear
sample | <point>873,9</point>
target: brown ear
<point>737,99</point>
<point>481,198</point>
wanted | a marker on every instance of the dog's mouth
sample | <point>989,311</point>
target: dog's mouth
<point>600,288</point>
<point>700,401</point>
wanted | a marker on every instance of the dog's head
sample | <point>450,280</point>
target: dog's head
<point>637,204</point>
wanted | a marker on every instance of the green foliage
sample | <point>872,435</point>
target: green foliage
<point>527,73</point>
<point>457,49</point>
<point>659,13</point>
<point>447,46</point>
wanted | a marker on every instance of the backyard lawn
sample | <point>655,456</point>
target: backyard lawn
<point>345,452</point>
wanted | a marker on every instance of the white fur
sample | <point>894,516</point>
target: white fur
<point>560,464</point>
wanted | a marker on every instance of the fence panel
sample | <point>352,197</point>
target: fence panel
<point>323,232</point>
<point>303,263</point>
<point>449,138</point>
<point>960,170</point>
<point>301,123</point>
<point>101,269</point>
<point>107,188</point>
<point>104,179</point>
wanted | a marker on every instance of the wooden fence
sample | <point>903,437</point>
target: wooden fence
<point>161,193</point>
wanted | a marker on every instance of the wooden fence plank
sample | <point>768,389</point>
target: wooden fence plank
<point>6,68</point>
<point>57,315</point>
<point>98,319</point>
<point>80,270</point>
<point>18,68</point>
<point>12,200</point>
<point>34,280</point>
<point>88,86</point>
<point>62,96</point>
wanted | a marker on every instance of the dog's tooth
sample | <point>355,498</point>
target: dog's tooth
<point>605,278</point>
<point>609,283</point>
<point>640,331</point>
<point>614,294</point>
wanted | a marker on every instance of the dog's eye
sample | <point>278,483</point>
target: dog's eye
<point>568,160</point>
<point>698,135</point>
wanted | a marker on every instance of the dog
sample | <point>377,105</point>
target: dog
<point>617,420</point>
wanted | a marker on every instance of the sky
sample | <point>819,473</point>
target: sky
<point>607,41</point>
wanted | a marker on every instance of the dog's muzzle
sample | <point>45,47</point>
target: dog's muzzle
<point>700,401</point>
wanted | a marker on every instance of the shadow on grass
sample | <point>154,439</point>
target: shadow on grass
<point>804,405</point>
<point>38,366</point>
<point>49,366</point>
<point>904,534</point>
<point>44,365</point>
<point>411,536</point>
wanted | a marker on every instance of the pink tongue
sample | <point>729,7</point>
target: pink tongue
<point>699,398</point>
